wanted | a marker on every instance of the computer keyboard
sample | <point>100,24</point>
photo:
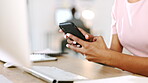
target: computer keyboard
<point>3,79</point>
<point>57,73</point>
<point>41,57</point>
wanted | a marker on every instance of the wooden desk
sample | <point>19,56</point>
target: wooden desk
<point>67,63</point>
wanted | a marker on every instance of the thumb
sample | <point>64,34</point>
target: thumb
<point>98,38</point>
<point>89,37</point>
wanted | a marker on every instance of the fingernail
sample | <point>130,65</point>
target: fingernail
<point>68,34</point>
<point>86,36</point>
<point>74,42</point>
<point>65,36</point>
<point>78,46</point>
<point>94,39</point>
<point>60,30</point>
<point>67,45</point>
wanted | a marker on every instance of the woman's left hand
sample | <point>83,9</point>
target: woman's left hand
<point>92,50</point>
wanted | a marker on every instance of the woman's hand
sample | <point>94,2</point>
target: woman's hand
<point>92,50</point>
<point>87,36</point>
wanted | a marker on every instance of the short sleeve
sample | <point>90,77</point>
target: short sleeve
<point>113,25</point>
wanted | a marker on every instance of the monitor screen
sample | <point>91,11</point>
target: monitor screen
<point>14,47</point>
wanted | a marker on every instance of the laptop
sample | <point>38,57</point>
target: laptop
<point>14,45</point>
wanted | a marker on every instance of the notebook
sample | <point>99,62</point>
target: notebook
<point>121,79</point>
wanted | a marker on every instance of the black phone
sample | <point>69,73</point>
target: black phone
<point>70,27</point>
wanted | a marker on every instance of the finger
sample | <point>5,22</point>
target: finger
<point>95,38</point>
<point>65,36</point>
<point>102,39</point>
<point>83,32</point>
<point>89,58</point>
<point>73,47</point>
<point>78,40</point>
<point>78,46</point>
<point>70,41</point>
<point>87,35</point>
<point>98,38</point>
<point>60,30</point>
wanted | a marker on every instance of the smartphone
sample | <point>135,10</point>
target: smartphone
<point>70,27</point>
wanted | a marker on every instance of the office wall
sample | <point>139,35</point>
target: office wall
<point>41,19</point>
<point>102,21</point>
<point>43,30</point>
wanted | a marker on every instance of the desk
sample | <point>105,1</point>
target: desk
<point>68,63</point>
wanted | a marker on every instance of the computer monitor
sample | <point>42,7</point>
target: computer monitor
<point>14,47</point>
<point>62,12</point>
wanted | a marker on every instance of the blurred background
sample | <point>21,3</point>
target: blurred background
<point>45,15</point>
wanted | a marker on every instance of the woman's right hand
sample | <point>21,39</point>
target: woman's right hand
<point>87,36</point>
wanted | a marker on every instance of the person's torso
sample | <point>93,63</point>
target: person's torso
<point>132,26</point>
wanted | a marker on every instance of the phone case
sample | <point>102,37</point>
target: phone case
<point>69,27</point>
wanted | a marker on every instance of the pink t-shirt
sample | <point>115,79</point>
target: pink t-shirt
<point>130,22</point>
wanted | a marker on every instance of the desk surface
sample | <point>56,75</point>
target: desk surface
<point>68,63</point>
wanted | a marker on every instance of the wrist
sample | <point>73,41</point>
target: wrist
<point>105,56</point>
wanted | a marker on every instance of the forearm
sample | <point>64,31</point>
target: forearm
<point>116,45</point>
<point>126,62</point>
<point>97,51</point>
